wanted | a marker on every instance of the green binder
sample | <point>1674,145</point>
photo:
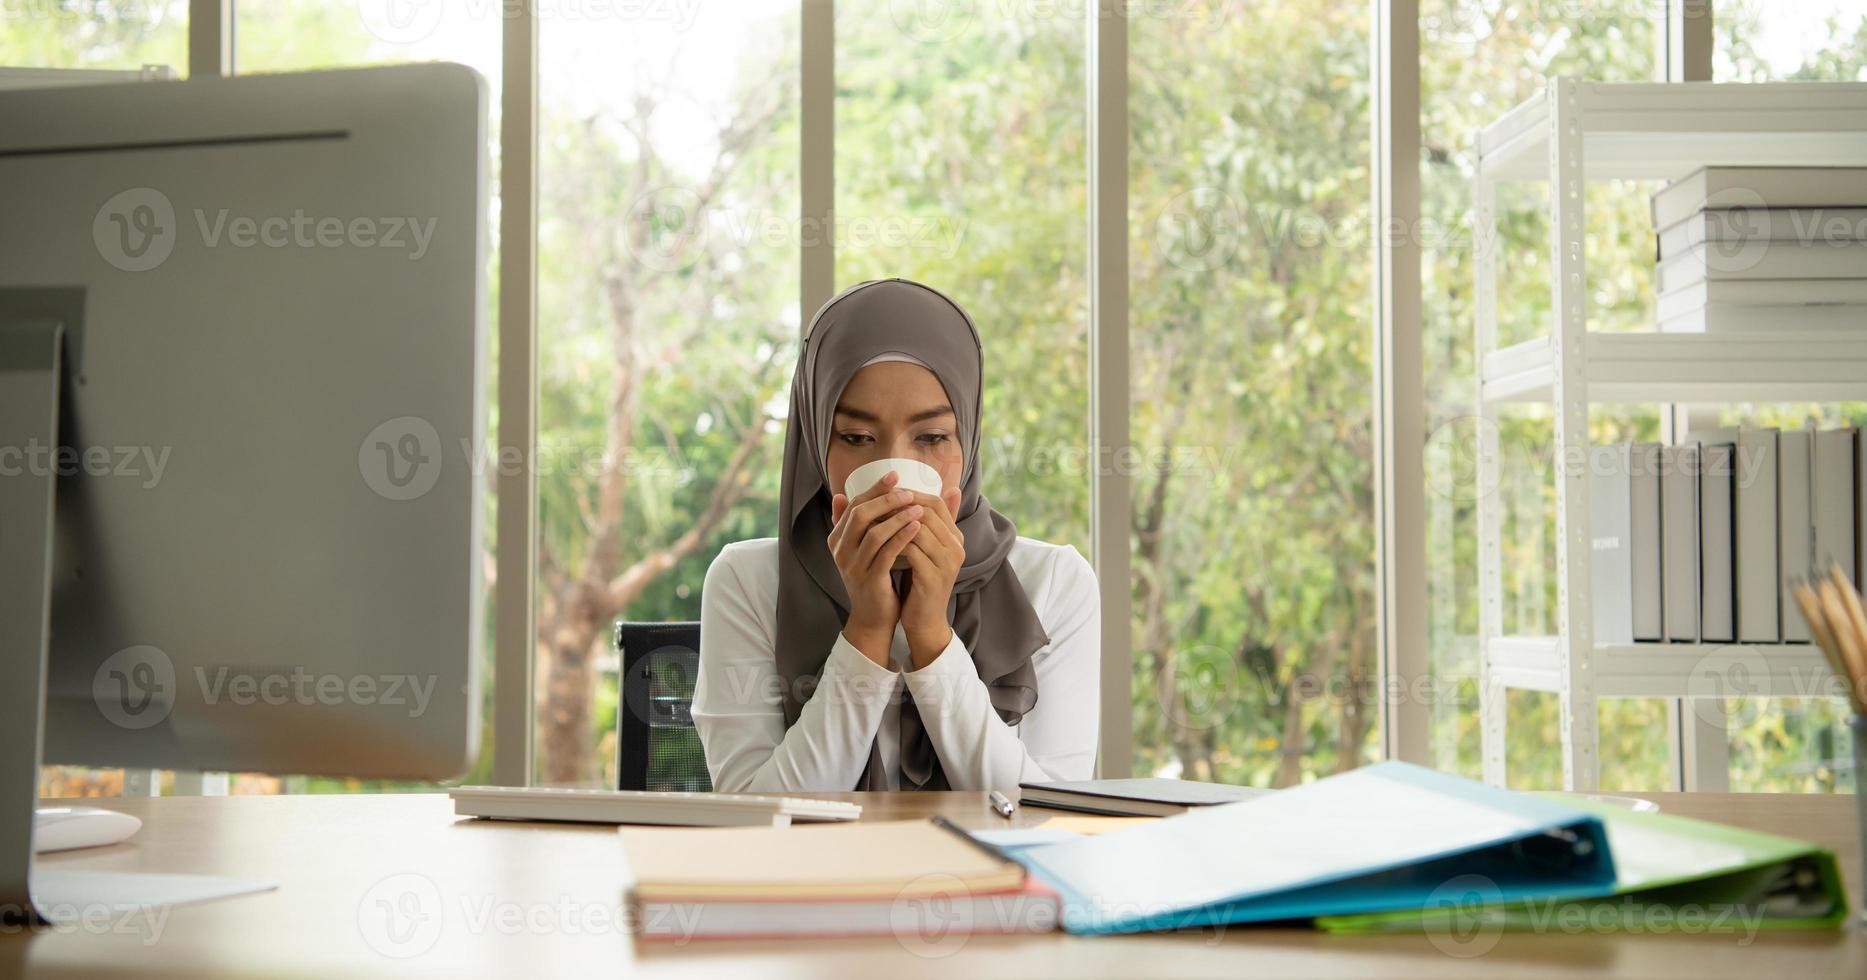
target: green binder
<point>1673,874</point>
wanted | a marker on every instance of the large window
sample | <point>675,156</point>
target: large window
<point>669,243</point>
<point>960,162</point>
<point>668,315</point>
<point>1476,61</point>
<point>119,35</point>
<point>1251,337</point>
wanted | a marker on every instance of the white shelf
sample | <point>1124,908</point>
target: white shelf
<point>1667,670</point>
<point>1655,131</point>
<point>1572,133</point>
<point>1698,368</point>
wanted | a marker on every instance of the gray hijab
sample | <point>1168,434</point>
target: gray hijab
<point>880,317</point>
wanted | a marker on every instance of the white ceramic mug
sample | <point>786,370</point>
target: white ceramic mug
<point>914,475</point>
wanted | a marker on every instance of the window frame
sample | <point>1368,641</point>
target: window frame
<point>1395,308</point>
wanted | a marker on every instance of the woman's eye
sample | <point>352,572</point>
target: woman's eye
<point>933,438</point>
<point>853,438</point>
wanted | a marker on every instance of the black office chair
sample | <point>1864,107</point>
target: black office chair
<point>656,745</point>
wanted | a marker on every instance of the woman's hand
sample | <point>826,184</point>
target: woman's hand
<point>934,558</point>
<point>867,536</point>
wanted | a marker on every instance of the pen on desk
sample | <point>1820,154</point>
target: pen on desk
<point>960,832</point>
<point>1002,804</point>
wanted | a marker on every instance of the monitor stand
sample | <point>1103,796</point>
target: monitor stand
<point>31,369</point>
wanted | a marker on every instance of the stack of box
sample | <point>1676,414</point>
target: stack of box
<point>1696,543</point>
<point>1762,248</point>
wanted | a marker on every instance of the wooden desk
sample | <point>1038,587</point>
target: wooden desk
<point>542,900</point>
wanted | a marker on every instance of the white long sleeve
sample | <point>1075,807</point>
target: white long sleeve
<point>738,708</point>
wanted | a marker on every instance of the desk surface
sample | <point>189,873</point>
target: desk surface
<point>542,900</point>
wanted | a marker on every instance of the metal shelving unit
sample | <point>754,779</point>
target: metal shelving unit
<point>1573,132</point>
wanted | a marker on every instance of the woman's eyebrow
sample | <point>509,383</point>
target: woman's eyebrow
<point>920,416</point>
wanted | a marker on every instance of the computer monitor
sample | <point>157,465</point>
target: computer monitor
<point>242,360</point>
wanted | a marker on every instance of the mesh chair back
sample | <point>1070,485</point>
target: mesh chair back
<point>656,745</point>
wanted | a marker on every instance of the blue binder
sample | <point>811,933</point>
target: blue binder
<point>1388,836</point>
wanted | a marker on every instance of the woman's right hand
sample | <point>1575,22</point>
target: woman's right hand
<point>866,537</point>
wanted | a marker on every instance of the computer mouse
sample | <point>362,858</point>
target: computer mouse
<point>65,828</point>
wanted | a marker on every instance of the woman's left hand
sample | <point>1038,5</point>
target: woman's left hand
<point>934,558</point>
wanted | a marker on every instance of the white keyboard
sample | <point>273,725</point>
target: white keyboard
<point>645,807</point>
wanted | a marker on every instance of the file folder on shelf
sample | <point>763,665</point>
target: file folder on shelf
<point>1374,839</point>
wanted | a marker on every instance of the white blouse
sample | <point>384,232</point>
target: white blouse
<point>738,706</point>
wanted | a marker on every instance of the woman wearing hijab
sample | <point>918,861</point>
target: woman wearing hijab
<point>900,640</point>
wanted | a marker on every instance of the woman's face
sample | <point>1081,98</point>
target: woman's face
<point>895,409</point>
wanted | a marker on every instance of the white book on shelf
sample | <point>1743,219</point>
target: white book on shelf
<point>1758,187</point>
<point>1766,260</point>
<point>1759,576</point>
<point>1717,545</point>
<point>1644,522</point>
<point>1722,318</point>
<point>1832,496</point>
<point>1796,527</point>
<point>1741,224</point>
<point>1611,564</point>
<point>1679,568</point>
<point>1760,292</point>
